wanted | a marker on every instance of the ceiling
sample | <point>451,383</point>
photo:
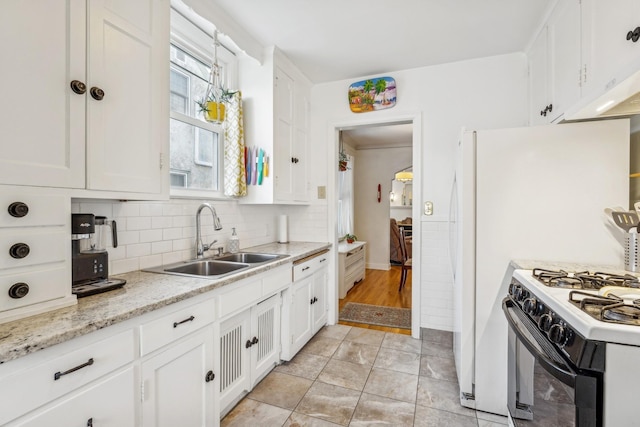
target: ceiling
<point>379,136</point>
<point>333,40</point>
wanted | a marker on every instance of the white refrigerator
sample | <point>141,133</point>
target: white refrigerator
<point>536,193</point>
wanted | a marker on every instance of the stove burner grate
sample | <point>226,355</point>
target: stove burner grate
<point>583,279</point>
<point>607,308</point>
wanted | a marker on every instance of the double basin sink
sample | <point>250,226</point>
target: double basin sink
<point>217,267</point>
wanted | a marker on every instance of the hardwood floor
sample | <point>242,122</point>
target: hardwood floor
<point>380,288</point>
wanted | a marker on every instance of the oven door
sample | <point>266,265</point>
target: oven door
<point>544,389</point>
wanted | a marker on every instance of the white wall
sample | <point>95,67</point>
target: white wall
<point>479,94</point>
<point>155,233</point>
<point>372,218</point>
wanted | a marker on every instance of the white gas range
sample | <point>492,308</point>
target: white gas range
<point>574,346</point>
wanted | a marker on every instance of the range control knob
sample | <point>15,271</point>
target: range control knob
<point>531,306</point>
<point>545,322</point>
<point>18,290</point>
<point>557,334</point>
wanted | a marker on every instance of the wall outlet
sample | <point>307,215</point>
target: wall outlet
<point>322,192</point>
<point>428,208</point>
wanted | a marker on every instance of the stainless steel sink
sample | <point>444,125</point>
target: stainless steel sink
<point>201,268</point>
<point>216,268</point>
<point>250,257</point>
<point>207,268</point>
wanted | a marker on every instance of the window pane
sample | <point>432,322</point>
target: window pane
<point>195,152</point>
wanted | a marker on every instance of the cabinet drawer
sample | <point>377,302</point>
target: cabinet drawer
<point>310,266</point>
<point>176,325</point>
<point>354,256</point>
<point>242,296</point>
<point>109,403</point>
<point>38,209</point>
<point>276,280</point>
<point>26,390</point>
<point>43,285</point>
<point>41,247</point>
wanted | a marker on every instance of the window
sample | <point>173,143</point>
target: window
<point>196,146</point>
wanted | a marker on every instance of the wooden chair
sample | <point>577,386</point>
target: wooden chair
<point>406,260</point>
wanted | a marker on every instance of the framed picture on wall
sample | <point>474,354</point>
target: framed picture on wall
<point>372,94</point>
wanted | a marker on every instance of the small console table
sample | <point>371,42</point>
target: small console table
<point>351,265</point>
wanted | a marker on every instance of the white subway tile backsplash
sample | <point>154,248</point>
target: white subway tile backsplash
<point>150,236</point>
<point>139,223</point>
<point>138,250</point>
<point>171,233</point>
<point>161,247</point>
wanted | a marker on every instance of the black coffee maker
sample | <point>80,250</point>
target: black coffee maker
<point>89,256</point>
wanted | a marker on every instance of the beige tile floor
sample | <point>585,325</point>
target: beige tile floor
<point>348,376</point>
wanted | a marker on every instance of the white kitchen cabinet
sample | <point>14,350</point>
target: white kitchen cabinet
<point>606,24</point>
<point>277,98</point>
<point>109,130</point>
<point>35,252</point>
<point>249,348</point>
<point>305,304</point>
<point>556,64</point>
<point>180,385</point>
<point>107,403</point>
<point>74,367</point>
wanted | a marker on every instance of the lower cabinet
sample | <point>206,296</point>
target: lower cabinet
<point>179,384</point>
<point>305,304</point>
<point>108,403</point>
<point>249,348</point>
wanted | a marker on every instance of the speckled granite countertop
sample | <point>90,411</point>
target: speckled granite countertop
<point>569,266</point>
<point>144,292</point>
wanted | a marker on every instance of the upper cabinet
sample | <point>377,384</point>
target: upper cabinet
<point>556,64</point>
<point>276,114</point>
<point>607,25</point>
<point>85,98</point>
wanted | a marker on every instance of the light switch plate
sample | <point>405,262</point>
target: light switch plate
<point>428,208</point>
<point>322,192</point>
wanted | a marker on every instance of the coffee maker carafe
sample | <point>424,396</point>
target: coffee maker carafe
<point>89,256</point>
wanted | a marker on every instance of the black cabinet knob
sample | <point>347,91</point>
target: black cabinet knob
<point>254,340</point>
<point>210,376</point>
<point>78,87</point>
<point>18,290</point>
<point>634,35</point>
<point>96,93</point>
<point>18,209</point>
<point>19,250</point>
<point>248,344</point>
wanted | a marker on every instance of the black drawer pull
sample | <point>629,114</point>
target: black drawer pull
<point>306,268</point>
<point>323,260</point>
<point>189,319</point>
<point>58,374</point>
<point>18,209</point>
<point>90,422</point>
<point>19,250</point>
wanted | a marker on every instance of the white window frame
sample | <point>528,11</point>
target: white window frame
<point>199,44</point>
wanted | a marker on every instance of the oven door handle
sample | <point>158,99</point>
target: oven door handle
<point>549,358</point>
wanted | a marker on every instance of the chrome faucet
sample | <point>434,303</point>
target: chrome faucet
<point>202,247</point>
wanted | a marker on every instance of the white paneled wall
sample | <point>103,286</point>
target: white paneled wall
<point>155,233</point>
<point>437,277</point>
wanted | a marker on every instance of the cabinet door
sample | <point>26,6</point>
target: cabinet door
<point>128,58</point>
<point>319,307</point>
<point>42,119</point>
<point>178,389</point>
<point>299,143</point>
<point>235,366</point>
<point>108,403</point>
<point>565,57</point>
<point>284,158</point>
<point>265,327</point>
<point>538,79</point>
<point>300,326</point>
<point>607,25</point>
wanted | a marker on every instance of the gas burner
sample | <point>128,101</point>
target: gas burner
<point>583,279</point>
<point>609,308</point>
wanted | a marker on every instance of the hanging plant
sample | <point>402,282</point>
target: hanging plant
<point>343,161</point>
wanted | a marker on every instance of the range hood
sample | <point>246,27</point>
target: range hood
<point>621,98</point>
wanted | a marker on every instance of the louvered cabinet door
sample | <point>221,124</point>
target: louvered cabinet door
<point>234,370</point>
<point>265,333</point>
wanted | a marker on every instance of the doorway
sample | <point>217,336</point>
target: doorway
<point>376,150</point>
